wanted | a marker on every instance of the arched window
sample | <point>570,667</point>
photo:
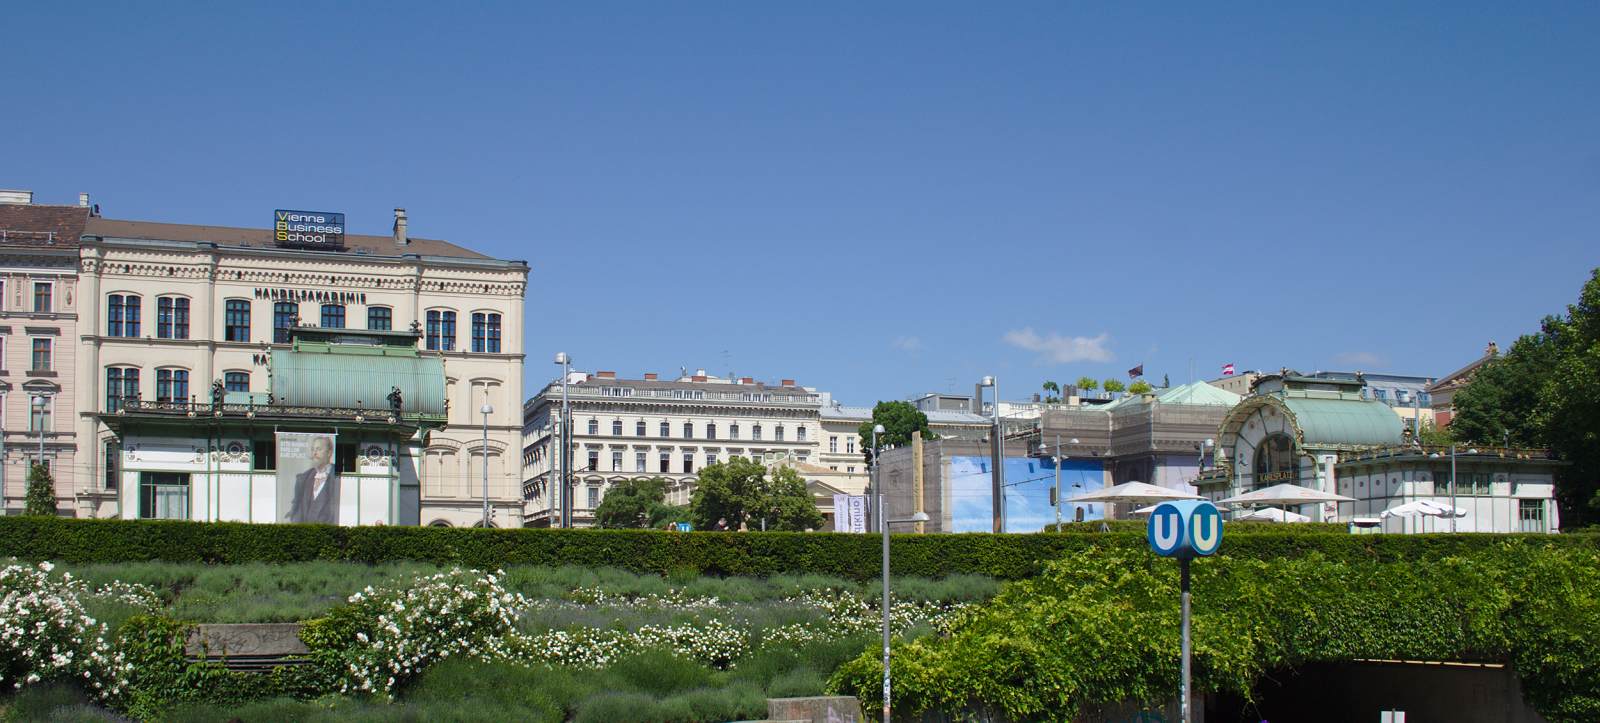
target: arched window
<point>333,316</point>
<point>172,385</point>
<point>380,318</point>
<point>1275,461</point>
<point>236,381</point>
<point>485,333</point>
<point>441,330</point>
<point>172,317</point>
<point>235,320</point>
<point>122,315</point>
<point>122,383</point>
<point>285,314</point>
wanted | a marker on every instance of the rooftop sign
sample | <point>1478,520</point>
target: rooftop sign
<point>308,229</point>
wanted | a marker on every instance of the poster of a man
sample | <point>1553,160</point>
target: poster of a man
<point>308,478</point>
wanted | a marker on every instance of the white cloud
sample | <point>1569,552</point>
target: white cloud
<point>1057,349</point>
<point>1359,359</point>
<point>907,343</point>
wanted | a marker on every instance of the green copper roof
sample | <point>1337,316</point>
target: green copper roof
<point>1198,393</point>
<point>329,375</point>
<point>1345,422</point>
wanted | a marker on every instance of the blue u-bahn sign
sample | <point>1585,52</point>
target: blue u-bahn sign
<point>1184,529</point>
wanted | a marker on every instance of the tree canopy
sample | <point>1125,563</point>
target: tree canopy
<point>1087,384</point>
<point>1113,385</point>
<point>1546,392</point>
<point>1140,387</point>
<point>637,503</point>
<point>900,420</point>
<point>41,499</point>
<point>1050,386</point>
<point>740,491</point>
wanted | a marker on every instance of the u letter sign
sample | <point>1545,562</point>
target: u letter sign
<point>1184,529</point>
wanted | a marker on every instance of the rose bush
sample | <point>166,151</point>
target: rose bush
<point>46,636</point>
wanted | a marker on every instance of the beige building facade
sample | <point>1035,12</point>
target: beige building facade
<point>169,309</point>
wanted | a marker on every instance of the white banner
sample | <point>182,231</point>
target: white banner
<point>849,513</point>
<point>309,484</point>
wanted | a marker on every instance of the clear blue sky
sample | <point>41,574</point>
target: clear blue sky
<point>878,199</point>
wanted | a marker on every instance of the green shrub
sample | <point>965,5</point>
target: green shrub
<point>477,686</point>
<point>856,557</point>
<point>55,702</point>
<point>658,672</point>
<point>618,707</point>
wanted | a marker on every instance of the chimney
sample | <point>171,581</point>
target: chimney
<point>748,380</point>
<point>700,373</point>
<point>788,382</point>
<point>1493,349</point>
<point>400,238</point>
<point>698,377</point>
<point>649,376</point>
<point>16,198</point>
<point>606,375</point>
<point>83,200</point>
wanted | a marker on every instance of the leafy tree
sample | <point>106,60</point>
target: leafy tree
<point>41,498</point>
<point>900,420</point>
<point>1113,385</point>
<point>1088,385</point>
<point>1546,392</point>
<point>1050,386</point>
<point>1140,387</point>
<point>740,491</point>
<point>637,503</point>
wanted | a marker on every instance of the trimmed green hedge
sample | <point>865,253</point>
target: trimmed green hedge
<point>1008,557</point>
<point>1251,527</point>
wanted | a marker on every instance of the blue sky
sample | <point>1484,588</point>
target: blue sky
<point>878,200</point>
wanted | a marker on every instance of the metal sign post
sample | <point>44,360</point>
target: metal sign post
<point>1184,529</point>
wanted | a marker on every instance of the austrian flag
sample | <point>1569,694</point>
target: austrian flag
<point>1227,369</point>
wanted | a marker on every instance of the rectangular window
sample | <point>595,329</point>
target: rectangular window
<point>494,334</point>
<point>172,385</point>
<point>380,318</point>
<point>688,430</point>
<point>638,461</point>
<point>666,462</point>
<point>666,430</point>
<point>594,461</point>
<point>711,458</point>
<point>42,297</point>
<point>131,307</point>
<point>41,355</point>
<point>800,434</point>
<point>733,431</point>
<point>849,445</point>
<point>833,443</point>
<point>235,320</point>
<point>777,433</point>
<point>616,461</point>
<point>122,384</point>
<point>616,428</point>
<point>114,309</point>
<point>112,464</point>
<point>594,426</point>
<point>638,429</point>
<point>164,495</point>
<point>1530,516</point>
<point>480,332</point>
<point>594,497</point>
<point>755,431</point>
<point>333,316</point>
<point>285,314</point>
<point>688,462</point>
<point>39,415</point>
<point>236,381</point>
<point>264,454</point>
<point>711,430</point>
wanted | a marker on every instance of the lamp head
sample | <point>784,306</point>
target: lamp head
<point>987,381</point>
<point>878,429</point>
<point>920,517</point>
<point>562,358</point>
<point>1074,440</point>
<point>487,409</point>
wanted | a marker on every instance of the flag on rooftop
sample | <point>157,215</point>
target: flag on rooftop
<point>1136,372</point>
<point>1227,369</point>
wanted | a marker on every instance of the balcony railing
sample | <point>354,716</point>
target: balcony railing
<point>202,409</point>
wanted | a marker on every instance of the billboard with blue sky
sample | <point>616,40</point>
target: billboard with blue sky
<point>1027,492</point>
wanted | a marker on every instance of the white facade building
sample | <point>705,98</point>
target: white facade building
<point>169,309</point>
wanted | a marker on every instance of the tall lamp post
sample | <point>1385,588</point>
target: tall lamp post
<point>883,515</point>
<point>1453,509</point>
<point>561,455</point>
<point>487,409</point>
<point>877,487</point>
<point>1057,500</point>
<point>997,454</point>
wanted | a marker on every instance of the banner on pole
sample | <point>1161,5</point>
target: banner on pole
<point>309,484</point>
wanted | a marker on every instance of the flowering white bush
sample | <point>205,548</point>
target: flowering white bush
<point>46,635</point>
<point>460,612</point>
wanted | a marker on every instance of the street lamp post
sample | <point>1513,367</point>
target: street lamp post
<point>883,515</point>
<point>877,487</point>
<point>997,455</point>
<point>561,455</point>
<point>487,409</point>
<point>39,402</point>
<point>1058,479</point>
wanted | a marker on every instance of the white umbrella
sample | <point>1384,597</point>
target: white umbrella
<point>1152,508</point>
<point>1423,508</point>
<point>1273,514</point>
<point>1133,492</point>
<point>1286,494</point>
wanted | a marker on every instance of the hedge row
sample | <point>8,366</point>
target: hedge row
<point>1008,557</point>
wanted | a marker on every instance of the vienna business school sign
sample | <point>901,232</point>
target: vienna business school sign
<point>308,229</point>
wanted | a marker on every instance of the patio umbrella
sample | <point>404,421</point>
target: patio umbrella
<point>1285,495</point>
<point>1135,493</point>
<point>1152,508</point>
<point>1423,508</point>
<point>1273,514</point>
